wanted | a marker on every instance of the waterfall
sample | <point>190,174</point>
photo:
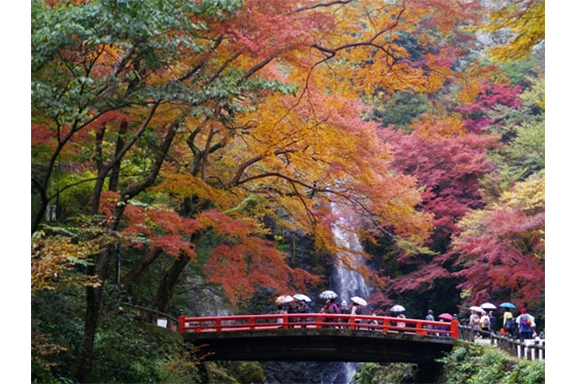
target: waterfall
<point>346,282</point>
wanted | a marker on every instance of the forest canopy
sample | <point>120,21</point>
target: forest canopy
<point>176,141</point>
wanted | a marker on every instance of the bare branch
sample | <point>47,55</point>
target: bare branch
<point>322,5</point>
<point>203,61</point>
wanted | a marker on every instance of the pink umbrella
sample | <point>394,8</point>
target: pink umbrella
<point>446,316</point>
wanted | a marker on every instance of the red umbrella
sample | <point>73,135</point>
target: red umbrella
<point>446,316</point>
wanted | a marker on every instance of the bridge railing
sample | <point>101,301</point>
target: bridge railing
<point>317,320</point>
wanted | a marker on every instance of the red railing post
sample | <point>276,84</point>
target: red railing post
<point>385,325</point>
<point>218,325</point>
<point>181,323</point>
<point>252,323</point>
<point>454,329</point>
<point>419,329</point>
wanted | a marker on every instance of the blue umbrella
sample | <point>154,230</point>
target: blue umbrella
<point>507,305</point>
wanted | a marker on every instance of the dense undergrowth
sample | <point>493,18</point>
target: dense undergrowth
<point>466,364</point>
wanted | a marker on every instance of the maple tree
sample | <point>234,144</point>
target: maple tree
<point>501,248</point>
<point>448,166</point>
<point>508,233</point>
<point>465,157</point>
<point>197,106</point>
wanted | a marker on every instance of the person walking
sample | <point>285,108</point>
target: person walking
<point>292,309</point>
<point>429,317</point>
<point>401,323</point>
<point>443,328</point>
<point>373,313</point>
<point>474,322</point>
<point>526,324</point>
<point>493,320</point>
<point>356,310</point>
<point>507,321</point>
<point>280,311</point>
<point>332,308</point>
<point>345,311</point>
<point>302,308</point>
<point>485,326</point>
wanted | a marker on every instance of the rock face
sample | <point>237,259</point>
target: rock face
<point>488,40</point>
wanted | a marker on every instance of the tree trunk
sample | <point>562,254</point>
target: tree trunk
<point>140,266</point>
<point>166,288</point>
<point>115,174</point>
<point>94,294</point>
<point>93,303</point>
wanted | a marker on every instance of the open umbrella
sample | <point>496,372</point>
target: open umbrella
<point>284,299</point>
<point>300,296</point>
<point>328,295</point>
<point>397,308</point>
<point>477,309</point>
<point>359,301</point>
<point>446,316</point>
<point>507,305</point>
<point>488,306</point>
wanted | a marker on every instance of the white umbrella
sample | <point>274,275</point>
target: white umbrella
<point>488,306</point>
<point>359,301</point>
<point>328,295</point>
<point>284,299</point>
<point>300,296</point>
<point>477,309</point>
<point>397,308</point>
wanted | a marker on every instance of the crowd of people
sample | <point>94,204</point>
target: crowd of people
<point>522,326</point>
<point>331,307</point>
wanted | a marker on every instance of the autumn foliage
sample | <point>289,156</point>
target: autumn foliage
<point>189,132</point>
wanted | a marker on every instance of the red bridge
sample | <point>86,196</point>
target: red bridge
<point>330,337</point>
<point>322,337</point>
<point>318,321</point>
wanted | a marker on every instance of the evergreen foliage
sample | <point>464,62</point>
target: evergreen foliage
<point>473,363</point>
<point>467,364</point>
